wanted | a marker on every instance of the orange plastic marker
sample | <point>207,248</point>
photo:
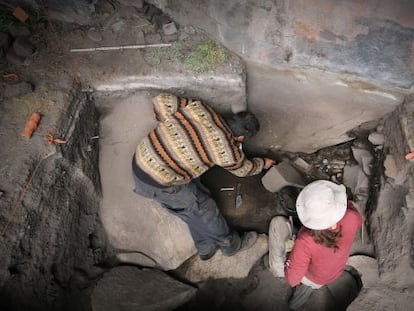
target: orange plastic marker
<point>409,156</point>
<point>31,125</point>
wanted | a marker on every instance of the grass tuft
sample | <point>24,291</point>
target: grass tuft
<point>207,56</point>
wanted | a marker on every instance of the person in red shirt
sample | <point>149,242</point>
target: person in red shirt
<point>322,247</point>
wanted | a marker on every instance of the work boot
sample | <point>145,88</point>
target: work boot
<point>280,233</point>
<point>247,241</point>
<point>205,257</point>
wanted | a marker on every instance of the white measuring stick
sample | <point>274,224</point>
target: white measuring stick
<point>121,47</point>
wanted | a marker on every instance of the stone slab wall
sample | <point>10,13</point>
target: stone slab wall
<point>370,39</point>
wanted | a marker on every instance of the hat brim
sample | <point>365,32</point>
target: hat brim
<point>327,219</point>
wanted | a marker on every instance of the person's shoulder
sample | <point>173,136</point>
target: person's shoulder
<point>304,235</point>
<point>305,241</point>
<point>352,214</point>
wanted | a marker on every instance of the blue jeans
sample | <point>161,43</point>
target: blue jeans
<point>199,211</point>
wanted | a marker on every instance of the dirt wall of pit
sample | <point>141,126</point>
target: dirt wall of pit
<point>51,237</point>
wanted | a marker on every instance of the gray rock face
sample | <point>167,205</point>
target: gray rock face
<point>392,225</point>
<point>131,289</point>
<point>280,34</point>
<point>392,222</point>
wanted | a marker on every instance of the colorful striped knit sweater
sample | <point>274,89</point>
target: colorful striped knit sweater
<point>190,138</point>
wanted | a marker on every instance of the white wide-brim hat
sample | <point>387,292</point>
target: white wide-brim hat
<point>321,204</point>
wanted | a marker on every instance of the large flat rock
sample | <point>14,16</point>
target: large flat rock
<point>130,289</point>
<point>306,110</point>
<point>135,224</point>
<point>220,266</point>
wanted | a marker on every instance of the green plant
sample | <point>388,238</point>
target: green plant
<point>206,57</point>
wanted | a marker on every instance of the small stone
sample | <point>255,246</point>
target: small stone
<point>4,41</point>
<point>139,38</point>
<point>152,11</point>
<point>302,164</point>
<point>337,163</point>
<point>131,12</point>
<point>19,31</point>
<point>160,20</point>
<point>376,138</point>
<point>281,175</point>
<point>153,38</point>
<point>94,35</point>
<point>104,7</point>
<point>15,59</point>
<point>189,30</point>
<point>171,38</point>
<point>118,26</point>
<point>364,159</point>
<point>184,36</point>
<point>23,47</point>
<point>169,29</point>
<point>325,161</point>
<point>18,89</point>
<point>390,166</point>
<point>135,3</point>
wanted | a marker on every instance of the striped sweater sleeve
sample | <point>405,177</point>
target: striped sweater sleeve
<point>248,167</point>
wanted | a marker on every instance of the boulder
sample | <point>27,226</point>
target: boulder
<point>130,289</point>
<point>281,175</point>
<point>220,266</point>
<point>139,229</point>
<point>368,267</point>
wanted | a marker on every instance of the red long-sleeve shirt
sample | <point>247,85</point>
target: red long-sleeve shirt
<point>319,263</point>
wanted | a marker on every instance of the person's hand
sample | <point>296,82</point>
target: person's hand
<point>289,245</point>
<point>268,163</point>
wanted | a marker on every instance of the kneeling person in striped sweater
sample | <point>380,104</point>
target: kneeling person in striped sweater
<point>189,139</point>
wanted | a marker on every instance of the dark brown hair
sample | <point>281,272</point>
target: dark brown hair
<point>326,237</point>
<point>243,123</point>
